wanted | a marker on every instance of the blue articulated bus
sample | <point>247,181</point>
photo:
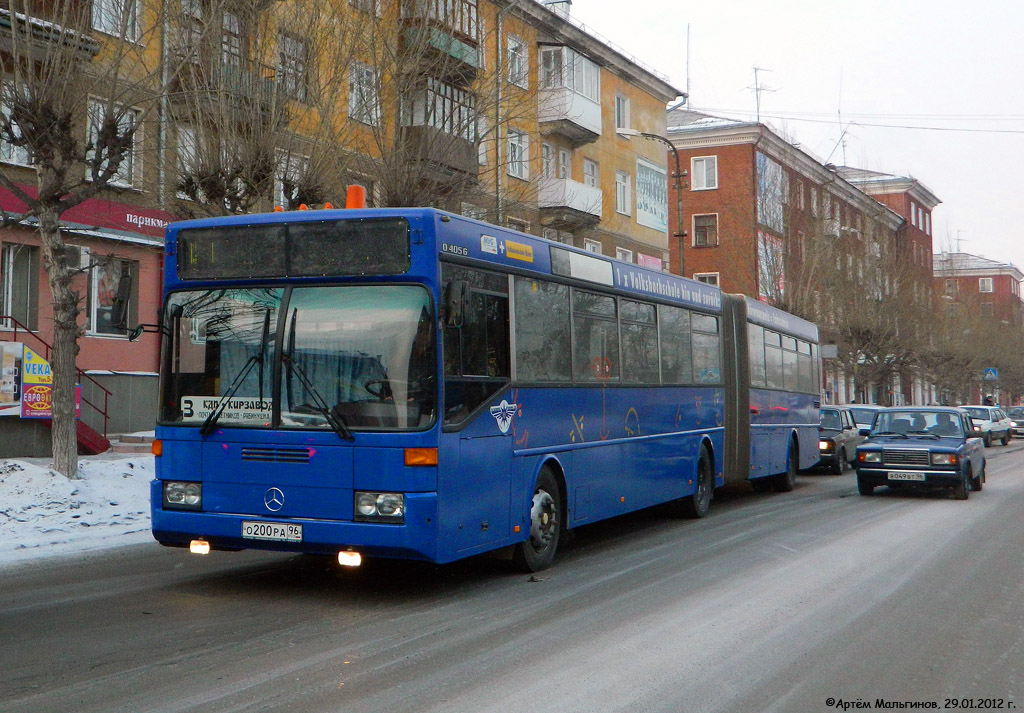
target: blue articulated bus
<point>408,383</point>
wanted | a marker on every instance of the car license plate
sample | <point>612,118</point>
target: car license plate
<point>906,476</point>
<point>277,531</point>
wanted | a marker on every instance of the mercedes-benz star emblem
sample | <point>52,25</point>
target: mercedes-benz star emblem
<point>273,499</point>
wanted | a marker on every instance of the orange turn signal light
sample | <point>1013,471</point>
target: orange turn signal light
<point>157,447</point>
<point>421,456</point>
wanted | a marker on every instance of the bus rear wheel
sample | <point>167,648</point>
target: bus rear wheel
<point>699,503</point>
<point>785,482</point>
<point>537,552</point>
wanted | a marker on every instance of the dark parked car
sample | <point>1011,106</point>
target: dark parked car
<point>838,438</point>
<point>922,446</point>
<point>863,414</point>
<point>1016,414</point>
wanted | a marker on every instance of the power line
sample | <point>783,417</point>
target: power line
<point>791,117</point>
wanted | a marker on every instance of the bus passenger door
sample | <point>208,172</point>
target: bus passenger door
<point>474,497</point>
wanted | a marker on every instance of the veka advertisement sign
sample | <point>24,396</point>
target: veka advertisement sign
<point>26,384</point>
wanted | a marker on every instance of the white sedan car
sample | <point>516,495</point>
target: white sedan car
<point>995,425</point>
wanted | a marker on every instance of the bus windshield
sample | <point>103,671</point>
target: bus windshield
<point>364,353</point>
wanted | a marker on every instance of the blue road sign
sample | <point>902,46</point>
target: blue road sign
<point>991,374</point>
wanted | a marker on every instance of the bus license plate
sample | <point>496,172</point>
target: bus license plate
<point>277,531</point>
<point>906,476</point>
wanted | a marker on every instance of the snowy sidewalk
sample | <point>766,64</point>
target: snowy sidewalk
<point>43,514</point>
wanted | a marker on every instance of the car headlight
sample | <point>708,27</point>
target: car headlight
<point>183,495</point>
<point>824,445</point>
<point>380,507</point>
<point>869,457</point>
<point>944,459</point>
<point>1015,424</point>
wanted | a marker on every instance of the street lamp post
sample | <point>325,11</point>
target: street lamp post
<point>678,176</point>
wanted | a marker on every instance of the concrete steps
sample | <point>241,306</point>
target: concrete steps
<point>131,443</point>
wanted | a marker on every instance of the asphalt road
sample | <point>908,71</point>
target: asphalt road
<point>773,603</point>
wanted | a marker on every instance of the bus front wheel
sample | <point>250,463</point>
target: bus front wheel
<point>786,481</point>
<point>538,551</point>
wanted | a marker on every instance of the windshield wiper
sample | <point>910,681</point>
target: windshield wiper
<point>335,420</point>
<point>922,433</point>
<point>211,421</point>
<point>889,433</point>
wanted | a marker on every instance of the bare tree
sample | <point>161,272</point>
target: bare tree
<point>79,84</point>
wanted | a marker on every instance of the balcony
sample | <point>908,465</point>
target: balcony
<point>570,115</point>
<point>205,86</point>
<point>567,204</point>
<point>38,36</point>
<point>450,156</point>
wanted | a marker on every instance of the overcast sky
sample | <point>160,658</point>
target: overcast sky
<point>923,63</point>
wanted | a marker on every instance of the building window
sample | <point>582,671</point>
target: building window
<point>590,173</point>
<point>518,154</point>
<point>928,223</point>
<point>288,183</point>
<point>367,6</point>
<point>622,197</point>
<point>623,254</point>
<point>126,120</point>
<point>564,67</point>
<point>705,173</point>
<point>708,278</point>
<point>116,17</point>
<point>9,153</point>
<point>475,212</point>
<point>363,94</point>
<point>621,112</point>
<point>187,33</point>
<point>19,285</point>
<point>231,40</point>
<point>547,157</point>
<point>518,63</point>
<point>291,66</point>
<point>104,279</point>
<point>442,106</point>
<point>460,16</point>
<point>564,163</point>
<point>705,231</point>
<point>188,157</point>
<point>523,226</point>
<point>551,74</point>
<point>985,284</point>
<point>592,246</point>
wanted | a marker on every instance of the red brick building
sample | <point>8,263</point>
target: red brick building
<point>766,218</point>
<point>992,288</point>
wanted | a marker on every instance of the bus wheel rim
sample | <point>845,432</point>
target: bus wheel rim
<point>543,520</point>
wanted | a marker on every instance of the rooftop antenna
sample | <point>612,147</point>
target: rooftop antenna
<point>959,239</point>
<point>758,88</point>
<point>688,99</point>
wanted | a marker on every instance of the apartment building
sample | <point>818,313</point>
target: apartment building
<point>764,217</point>
<point>989,289</point>
<point>505,111</point>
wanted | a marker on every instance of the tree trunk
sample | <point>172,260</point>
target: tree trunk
<point>65,343</point>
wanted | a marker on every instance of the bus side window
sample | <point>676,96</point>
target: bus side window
<point>476,354</point>
<point>674,327</point>
<point>542,331</point>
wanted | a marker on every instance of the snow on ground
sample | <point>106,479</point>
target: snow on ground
<point>44,514</point>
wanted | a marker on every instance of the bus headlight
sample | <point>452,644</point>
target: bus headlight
<point>182,495</point>
<point>380,507</point>
<point>870,457</point>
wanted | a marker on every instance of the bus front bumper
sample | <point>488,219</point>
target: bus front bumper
<point>415,538</point>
